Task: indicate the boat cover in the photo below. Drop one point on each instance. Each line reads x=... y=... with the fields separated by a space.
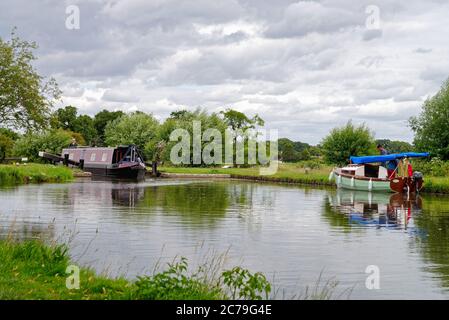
x=387 y=157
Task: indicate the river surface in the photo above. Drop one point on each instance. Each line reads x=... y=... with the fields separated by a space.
x=290 y=233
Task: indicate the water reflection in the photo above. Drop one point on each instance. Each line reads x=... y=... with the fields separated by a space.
x=285 y=230
x=381 y=210
x=31 y=230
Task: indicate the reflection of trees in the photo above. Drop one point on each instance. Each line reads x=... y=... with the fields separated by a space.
x=434 y=220
x=197 y=203
x=27 y=231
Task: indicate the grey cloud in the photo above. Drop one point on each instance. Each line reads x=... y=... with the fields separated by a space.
x=372 y=34
x=308 y=16
x=303 y=65
x=118 y=96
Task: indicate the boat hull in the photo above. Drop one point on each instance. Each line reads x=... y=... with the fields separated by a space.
x=397 y=184
x=354 y=183
x=136 y=172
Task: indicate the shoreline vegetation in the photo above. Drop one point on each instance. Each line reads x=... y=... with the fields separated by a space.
x=302 y=173
x=294 y=173
x=31 y=269
x=33 y=173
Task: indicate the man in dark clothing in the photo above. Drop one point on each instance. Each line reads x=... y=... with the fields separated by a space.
x=73 y=144
x=382 y=150
x=390 y=165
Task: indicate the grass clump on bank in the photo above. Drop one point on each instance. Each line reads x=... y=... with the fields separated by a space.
x=34 y=173
x=33 y=270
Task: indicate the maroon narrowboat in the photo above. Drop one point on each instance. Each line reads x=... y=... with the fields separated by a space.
x=122 y=162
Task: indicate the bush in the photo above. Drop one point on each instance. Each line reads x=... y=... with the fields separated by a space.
x=174 y=284
x=341 y=143
x=51 y=141
x=312 y=164
x=434 y=167
x=245 y=285
x=6 y=145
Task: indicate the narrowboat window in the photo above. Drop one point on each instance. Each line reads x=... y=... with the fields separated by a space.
x=104 y=157
x=71 y=156
x=92 y=157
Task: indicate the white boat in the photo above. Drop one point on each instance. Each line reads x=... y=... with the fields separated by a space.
x=369 y=173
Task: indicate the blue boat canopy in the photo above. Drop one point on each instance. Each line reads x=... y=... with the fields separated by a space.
x=388 y=157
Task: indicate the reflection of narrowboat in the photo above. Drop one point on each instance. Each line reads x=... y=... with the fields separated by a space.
x=122 y=162
x=369 y=173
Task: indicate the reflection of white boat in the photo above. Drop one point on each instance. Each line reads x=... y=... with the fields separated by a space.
x=373 y=208
x=368 y=174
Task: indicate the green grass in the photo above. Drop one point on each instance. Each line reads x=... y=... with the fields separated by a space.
x=291 y=173
x=34 y=270
x=436 y=185
x=34 y=173
x=296 y=173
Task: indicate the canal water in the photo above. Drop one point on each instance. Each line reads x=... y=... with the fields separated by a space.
x=298 y=237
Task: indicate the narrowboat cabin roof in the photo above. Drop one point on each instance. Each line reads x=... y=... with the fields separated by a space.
x=97 y=155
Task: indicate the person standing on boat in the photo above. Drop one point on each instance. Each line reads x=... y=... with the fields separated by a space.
x=382 y=150
x=390 y=165
x=73 y=144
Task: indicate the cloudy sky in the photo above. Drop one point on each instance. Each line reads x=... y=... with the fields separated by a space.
x=303 y=66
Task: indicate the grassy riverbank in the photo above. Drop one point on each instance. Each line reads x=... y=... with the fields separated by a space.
x=298 y=173
x=34 y=173
x=33 y=270
x=292 y=173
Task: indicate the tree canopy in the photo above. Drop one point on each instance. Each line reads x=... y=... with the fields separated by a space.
x=395 y=146
x=238 y=120
x=346 y=141
x=431 y=126
x=101 y=119
x=25 y=98
x=136 y=128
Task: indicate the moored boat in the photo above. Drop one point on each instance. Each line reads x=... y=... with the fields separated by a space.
x=369 y=173
x=122 y=162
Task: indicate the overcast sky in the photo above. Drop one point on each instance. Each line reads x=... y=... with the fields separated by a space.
x=304 y=67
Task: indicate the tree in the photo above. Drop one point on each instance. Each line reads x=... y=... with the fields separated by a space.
x=84 y=124
x=52 y=141
x=346 y=141
x=287 y=150
x=241 y=126
x=9 y=133
x=183 y=119
x=25 y=98
x=101 y=119
x=6 y=145
x=67 y=119
x=431 y=126
x=238 y=120
x=395 y=146
x=135 y=128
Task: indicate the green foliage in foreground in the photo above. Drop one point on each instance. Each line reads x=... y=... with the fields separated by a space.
x=33 y=173
x=33 y=270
